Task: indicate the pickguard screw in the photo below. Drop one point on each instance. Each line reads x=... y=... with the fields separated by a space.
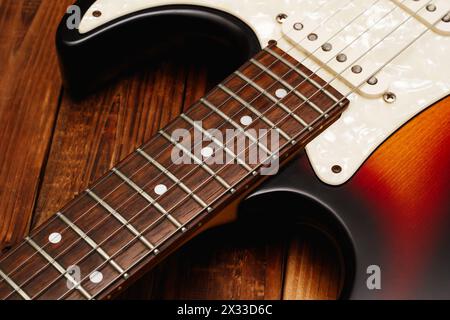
x=298 y=26
x=312 y=37
x=431 y=7
x=389 y=97
x=357 y=69
x=372 y=81
x=97 y=13
x=327 y=47
x=336 y=169
x=446 y=18
x=281 y=17
x=341 y=57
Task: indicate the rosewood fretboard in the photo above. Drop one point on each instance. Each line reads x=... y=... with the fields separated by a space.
x=147 y=204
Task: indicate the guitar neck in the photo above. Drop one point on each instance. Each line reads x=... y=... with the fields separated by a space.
x=159 y=196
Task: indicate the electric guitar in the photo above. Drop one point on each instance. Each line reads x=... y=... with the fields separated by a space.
x=319 y=86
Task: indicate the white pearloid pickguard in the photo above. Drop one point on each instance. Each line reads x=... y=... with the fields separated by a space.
x=419 y=76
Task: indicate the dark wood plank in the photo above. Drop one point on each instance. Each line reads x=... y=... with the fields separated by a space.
x=313 y=270
x=29 y=91
x=223 y=263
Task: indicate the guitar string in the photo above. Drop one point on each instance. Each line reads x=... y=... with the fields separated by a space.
x=180 y=202
x=38 y=230
x=101 y=290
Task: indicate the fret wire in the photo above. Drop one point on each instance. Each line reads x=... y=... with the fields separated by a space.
x=274 y=100
x=121 y=219
x=58 y=267
x=217 y=142
x=339 y=103
x=287 y=85
x=197 y=160
x=147 y=197
x=92 y=243
x=13 y=285
x=172 y=177
x=255 y=111
x=53 y=218
x=237 y=126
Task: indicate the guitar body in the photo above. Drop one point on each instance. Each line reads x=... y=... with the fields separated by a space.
x=387 y=205
x=394 y=213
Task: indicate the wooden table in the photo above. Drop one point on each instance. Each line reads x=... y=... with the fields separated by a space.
x=51 y=147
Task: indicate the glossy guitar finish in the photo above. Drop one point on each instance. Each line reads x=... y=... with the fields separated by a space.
x=394 y=213
x=396 y=210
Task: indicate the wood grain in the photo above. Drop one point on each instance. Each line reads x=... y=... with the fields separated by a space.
x=29 y=91
x=64 y=145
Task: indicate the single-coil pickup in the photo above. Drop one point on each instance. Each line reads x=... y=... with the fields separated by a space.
x=358 y=42
x=434 y=11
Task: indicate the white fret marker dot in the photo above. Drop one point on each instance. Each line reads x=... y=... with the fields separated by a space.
x=55 y=238
x=207 y=152
x=96 y=277
x=281 y=93
x=160 y=189
x=246 y=120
